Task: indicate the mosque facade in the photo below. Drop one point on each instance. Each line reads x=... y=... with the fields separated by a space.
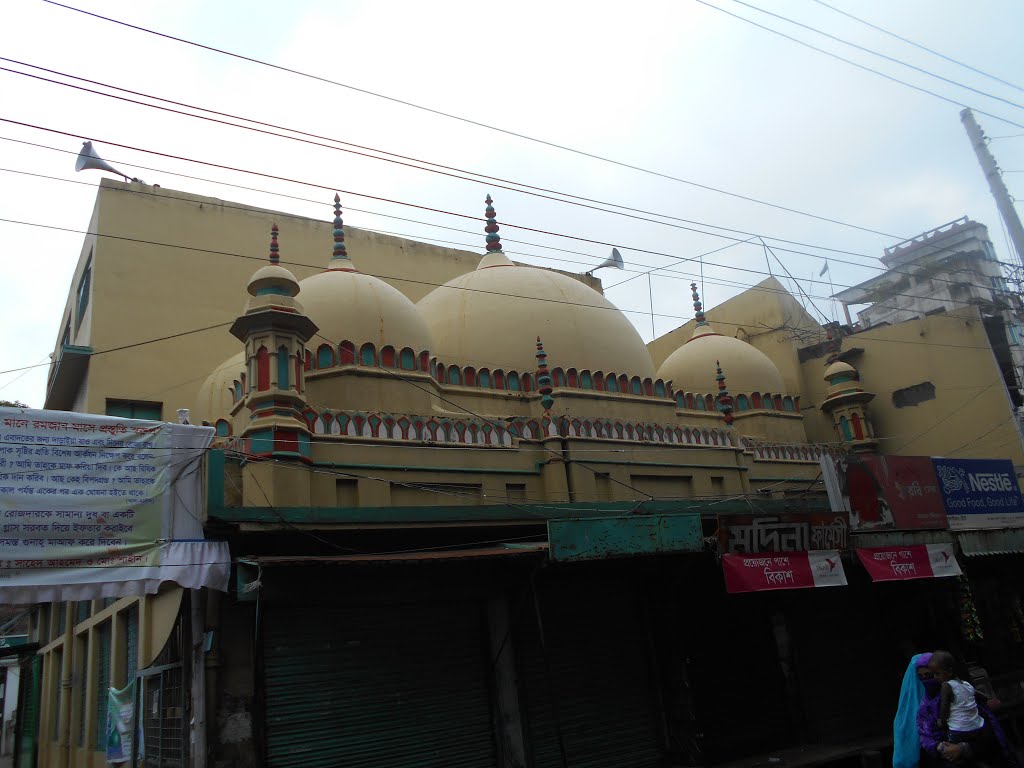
x=477 y=521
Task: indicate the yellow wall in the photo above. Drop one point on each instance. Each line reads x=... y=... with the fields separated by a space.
x=970 y=416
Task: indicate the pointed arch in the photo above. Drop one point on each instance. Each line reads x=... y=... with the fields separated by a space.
x=483 y=378
x=742 y=403
x=844 y=427
x=636 y=386
x=469 y=376
x=407 y=359
x=586 y=380
x=368 y=354
x=513 y=381
x=612 y=383
x=454 y=375
x=346 y=353
x=263 y=369
x=858 y=429
x=659 y=388
x=282 y=367
x=755 y=401
x=387 y=356
x=324 y=356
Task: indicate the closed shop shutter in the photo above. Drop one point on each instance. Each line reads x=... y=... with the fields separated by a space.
x=28 y=712
x=599 y=690
x=378 y=686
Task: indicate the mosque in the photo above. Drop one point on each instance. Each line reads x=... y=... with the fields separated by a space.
x=477 y=521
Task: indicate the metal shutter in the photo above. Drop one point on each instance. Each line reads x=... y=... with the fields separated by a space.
x=377 y=687
x=599 y=688
x=28 y=712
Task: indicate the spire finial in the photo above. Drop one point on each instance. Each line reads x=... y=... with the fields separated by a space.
x=493 y=238
x=698 y=308
x=544 y=378
x=275 y=249
x=835 y=343
x=339 y=231
x=724 y=398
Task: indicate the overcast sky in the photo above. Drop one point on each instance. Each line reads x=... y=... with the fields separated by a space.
x=676 y=87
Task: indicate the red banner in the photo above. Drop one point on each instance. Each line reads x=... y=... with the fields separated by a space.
x=785 y=570
x=892 y=492
x=917 y=561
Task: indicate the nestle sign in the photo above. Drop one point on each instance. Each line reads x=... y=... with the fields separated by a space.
x=980 y=493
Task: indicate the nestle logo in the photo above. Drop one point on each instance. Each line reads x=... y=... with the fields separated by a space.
x=990 y=481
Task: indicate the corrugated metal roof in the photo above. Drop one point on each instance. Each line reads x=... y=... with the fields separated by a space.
x=900 y=538
x=999 y=541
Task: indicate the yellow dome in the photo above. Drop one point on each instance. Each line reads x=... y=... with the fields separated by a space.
x=491 y=318
x=691 y=368
x=839 y=368
x=348 y=305
x=215 y=400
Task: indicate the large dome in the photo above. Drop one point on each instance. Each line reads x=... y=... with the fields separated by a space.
x=347 y=305
x=492 y=316
x=215 y=400
x=691 y=368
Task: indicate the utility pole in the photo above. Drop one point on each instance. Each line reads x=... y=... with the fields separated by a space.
x=995 y=182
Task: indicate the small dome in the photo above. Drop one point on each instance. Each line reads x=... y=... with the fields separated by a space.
x=839 y=368
x=273 y=278
x=691 y=368
x=215 y=400
x=491 y=318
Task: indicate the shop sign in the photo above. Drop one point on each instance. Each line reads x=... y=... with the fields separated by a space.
x=600 y=538
x=916 y=561
x=785 y=570
x=787 y=532
x=886 y=492
x=980 y=493
x=13 y=641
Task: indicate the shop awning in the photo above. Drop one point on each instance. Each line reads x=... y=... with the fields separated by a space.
x=413 y=556
x=1005 y=541
x=783 y=570
x=913 y=561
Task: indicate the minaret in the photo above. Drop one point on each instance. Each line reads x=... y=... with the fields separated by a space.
x=846 y=401
x=724 y=398
x=275 y=331
x=703 y=327
x=495 y=257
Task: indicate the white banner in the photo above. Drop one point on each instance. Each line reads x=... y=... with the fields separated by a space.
x=94 y=506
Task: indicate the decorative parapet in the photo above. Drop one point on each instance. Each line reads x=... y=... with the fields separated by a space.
x=764 y=450
x=754 y=401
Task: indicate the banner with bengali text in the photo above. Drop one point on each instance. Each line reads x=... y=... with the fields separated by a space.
x=785 y=570
x=785 y=532
x=98 y=506
x=915 y=561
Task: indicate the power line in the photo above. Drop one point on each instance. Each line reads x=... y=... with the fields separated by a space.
x=503 y=181
x=469 y=121
x=880 y=55
x=918 y=45
x=864 y=67
x=462 y=215
x=446 y=170
x=425 y=282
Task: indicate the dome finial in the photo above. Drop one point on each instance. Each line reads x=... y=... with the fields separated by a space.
x=339 y=232
x=724 y=398
x=544 y=378
x=275 y=249
x=698 y=308
x=493 y=238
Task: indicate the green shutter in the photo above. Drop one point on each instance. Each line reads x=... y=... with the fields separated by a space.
x=382 y=686
x=102 y=685
x=28 y=712
x=599 y=690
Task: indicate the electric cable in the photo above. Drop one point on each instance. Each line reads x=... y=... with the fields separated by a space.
x=864 y=67
x=918 y=45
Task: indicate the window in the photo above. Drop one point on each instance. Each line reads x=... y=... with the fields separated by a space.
x=131 y=409
x=84 y=287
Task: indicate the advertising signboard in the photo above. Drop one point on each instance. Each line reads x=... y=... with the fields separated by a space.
x=980 y=493
x=787 y=570
x=886 y=492
x=786 y=532
x=917 y=561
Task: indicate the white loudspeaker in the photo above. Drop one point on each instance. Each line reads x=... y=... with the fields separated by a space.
x=614 y=261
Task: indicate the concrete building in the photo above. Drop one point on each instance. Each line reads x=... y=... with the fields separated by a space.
x=404 y=434
x=944 y=270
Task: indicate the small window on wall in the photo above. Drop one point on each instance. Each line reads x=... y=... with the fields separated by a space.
x=133 y=409
x=84 y=288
